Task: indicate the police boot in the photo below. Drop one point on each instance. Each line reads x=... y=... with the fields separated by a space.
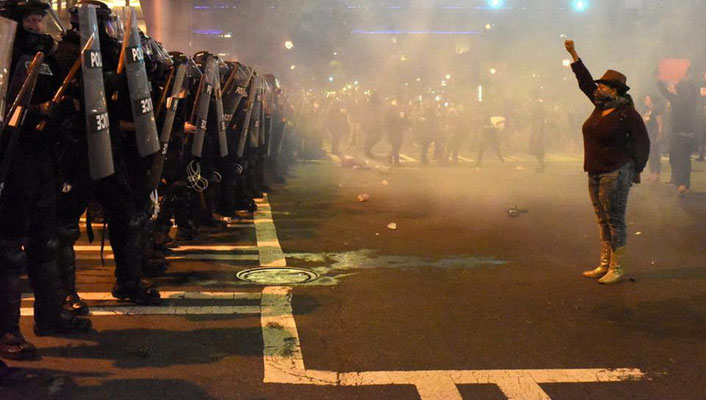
x=140 y=292
x=49 y=316
x=13 y=345
x=155 y=265
x=616 y=270
x=602 y=268
x=187 y=232
x=66 y=261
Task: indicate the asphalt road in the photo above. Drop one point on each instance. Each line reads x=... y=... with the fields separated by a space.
x=460 y=301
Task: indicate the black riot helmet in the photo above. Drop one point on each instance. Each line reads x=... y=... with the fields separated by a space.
x=17 y=10
x=178 y=57
x=28 y=38
x=201 y=57
x=108 y=22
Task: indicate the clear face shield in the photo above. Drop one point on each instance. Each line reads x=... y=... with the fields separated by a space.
x=157 y=52
x=114 y=27
x=54 y=25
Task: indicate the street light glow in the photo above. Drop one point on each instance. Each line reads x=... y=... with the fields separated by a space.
x=289 y=45
x=580 y=5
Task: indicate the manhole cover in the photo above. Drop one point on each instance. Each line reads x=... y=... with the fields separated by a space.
x=277 y=276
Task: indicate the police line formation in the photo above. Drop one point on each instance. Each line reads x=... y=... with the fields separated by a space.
x=107 y=116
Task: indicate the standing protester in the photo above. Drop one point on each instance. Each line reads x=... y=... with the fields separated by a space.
x=655 y=129
x=684 y=100
x=490 y=137
x=28 y=200
x=616 y=147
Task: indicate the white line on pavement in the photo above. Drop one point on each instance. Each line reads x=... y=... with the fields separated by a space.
x=195 y=256
x=131 y=309
x=212 y=248
x=284 y=363
x=268 y=246
x=161 y=310
x=105 y=296
x=407 y=158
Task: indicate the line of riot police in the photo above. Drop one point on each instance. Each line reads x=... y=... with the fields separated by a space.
x=106 y=119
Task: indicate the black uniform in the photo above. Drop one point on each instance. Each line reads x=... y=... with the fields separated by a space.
x=28 y=206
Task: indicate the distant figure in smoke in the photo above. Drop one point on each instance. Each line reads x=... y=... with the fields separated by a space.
x=616 y=148
x=684 y=99
x=336 y=125
x=538 y=129
x=490 y=137
x=425 y=129
x=396 y=124
x=373 y=128
x=457 y=133
x=655 y=129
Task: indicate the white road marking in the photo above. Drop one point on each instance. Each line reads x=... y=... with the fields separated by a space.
x=284 y=363
x=407 y=158
x=215 y=257
x=131 y=309
x=269 y=249
x=169 y=295
x=210 y=248
x=195 y=256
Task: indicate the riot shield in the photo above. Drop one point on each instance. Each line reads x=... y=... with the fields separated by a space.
x=199 y=115
x=220 y=118
x=255 y=122
x=172 y=102
x=235 y=90
x=100 y=155
x=8 y=28
x=248 y=117
x=269 y=112
x=139 y=85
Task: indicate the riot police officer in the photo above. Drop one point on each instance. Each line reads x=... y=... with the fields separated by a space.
x=115 y=194
x=28 y=203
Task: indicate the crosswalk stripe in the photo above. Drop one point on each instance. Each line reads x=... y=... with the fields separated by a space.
x=168 y=295
x=195 y=257
x=161 y=310
x=186 y=248
x=407 y=158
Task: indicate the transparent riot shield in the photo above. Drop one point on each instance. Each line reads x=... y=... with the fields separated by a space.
x=8 y=28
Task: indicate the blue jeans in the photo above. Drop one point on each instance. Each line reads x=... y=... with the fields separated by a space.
x=609 y=195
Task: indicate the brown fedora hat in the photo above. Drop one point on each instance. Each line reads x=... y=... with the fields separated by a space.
x=614 y=79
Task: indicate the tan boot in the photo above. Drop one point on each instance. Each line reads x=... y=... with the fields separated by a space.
x=616 y=270
x=601 y=269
